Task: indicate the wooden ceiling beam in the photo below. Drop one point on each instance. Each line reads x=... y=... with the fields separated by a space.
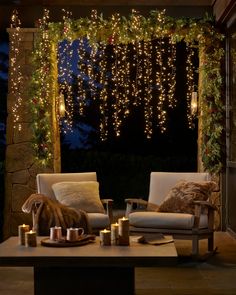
x=109 y=2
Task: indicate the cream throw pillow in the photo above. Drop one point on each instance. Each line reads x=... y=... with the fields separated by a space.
x=83 y=195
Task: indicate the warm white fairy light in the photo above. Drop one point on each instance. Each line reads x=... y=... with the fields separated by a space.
x=139 y=74
x=171 y=73
x=165 y=77
x=190 y=82
x=120 y=70
x=134 y=62
x=82 y=68
x=160 y=81
x=92 y=71
x=66 y=72
x=115 y=90
x=103 y=95
x=16 y=76
x=148 y=108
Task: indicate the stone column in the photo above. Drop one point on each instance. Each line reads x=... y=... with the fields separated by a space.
x=20 y=166
x=216 y=196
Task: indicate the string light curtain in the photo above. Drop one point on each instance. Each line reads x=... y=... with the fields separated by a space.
x=121 y=76
x=135 y=34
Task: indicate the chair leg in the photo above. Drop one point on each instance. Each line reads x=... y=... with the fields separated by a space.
x=211 y=243
x=195 y=246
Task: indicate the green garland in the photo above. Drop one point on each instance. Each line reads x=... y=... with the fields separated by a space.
x=199 y=32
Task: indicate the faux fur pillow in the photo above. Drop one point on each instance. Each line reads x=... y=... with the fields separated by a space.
x=181 y=197
x=83 y=195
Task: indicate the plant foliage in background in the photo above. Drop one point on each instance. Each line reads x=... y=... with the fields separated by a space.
x=116 y=30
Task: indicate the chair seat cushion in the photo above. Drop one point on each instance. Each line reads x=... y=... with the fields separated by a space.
x=98 y=220
x=165 y=220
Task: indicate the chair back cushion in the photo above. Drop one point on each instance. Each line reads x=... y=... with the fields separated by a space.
x=162 y=182
x=46 y=180
x=81 y=195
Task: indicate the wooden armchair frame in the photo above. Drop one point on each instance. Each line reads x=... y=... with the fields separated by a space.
x=46 y=180
x=195 y=234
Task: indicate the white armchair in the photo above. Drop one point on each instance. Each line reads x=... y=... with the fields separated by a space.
x=45 y=181
x=145 y=219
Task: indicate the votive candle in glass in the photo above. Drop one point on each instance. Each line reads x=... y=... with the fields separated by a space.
x=22 y=229
x=30 y=239
x=105 y=237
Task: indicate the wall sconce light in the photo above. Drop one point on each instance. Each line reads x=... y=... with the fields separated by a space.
x=62 y=107
x=194 y=103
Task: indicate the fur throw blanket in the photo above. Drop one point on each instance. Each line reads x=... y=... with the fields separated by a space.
x=49 y=213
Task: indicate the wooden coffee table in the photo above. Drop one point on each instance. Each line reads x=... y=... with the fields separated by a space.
x=87 y=269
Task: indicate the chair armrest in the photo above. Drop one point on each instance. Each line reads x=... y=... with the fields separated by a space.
x=199 y=205
x=108 y=207
x=206 y=204
x=130 y=203
x=137 y=201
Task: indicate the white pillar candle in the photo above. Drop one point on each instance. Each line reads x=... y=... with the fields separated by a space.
x=123 y=231
x=105 y=237
x=30 y=239
x=55 y=233
x=115 y=233
x=22 y=229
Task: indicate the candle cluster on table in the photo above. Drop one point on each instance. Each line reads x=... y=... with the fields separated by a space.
x=26 y=236
x=118 y=235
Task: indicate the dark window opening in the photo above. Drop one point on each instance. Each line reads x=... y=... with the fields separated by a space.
x=123 y=164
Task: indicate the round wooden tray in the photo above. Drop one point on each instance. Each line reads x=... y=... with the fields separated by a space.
x=83 y=240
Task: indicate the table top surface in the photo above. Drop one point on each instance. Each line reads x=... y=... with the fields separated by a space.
x=136 y=254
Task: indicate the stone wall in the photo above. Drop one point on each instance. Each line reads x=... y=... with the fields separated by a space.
x=21 y=168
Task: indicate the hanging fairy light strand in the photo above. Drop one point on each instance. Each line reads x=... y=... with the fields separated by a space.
x=160 y=80
x=16 y=77
x=121 y=89
x=82 y=72
x=147 y=95
x=171 y=73
x=190 y=82
x=91 y=51
x=103 y=94
x=137 y=58
x=67 y=71
x=117 y=77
